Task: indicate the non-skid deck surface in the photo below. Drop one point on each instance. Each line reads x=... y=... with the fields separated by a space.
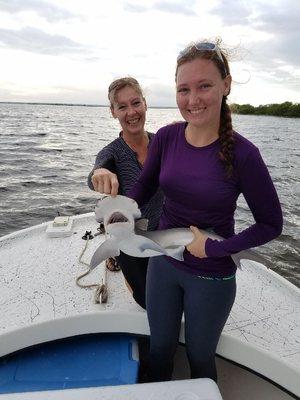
x=39 y=301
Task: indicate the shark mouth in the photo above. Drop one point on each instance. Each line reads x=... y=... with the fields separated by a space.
x=117 y=217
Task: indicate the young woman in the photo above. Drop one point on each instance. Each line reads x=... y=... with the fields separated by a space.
x=202 y=166
x=119 y=164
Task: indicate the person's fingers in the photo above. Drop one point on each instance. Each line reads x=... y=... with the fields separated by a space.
x=114 y=186
x=97 y=183
x=100 y=186
x=195 y=230
x=106 y=184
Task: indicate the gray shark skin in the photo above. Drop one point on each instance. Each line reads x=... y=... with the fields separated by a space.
x=120 y=216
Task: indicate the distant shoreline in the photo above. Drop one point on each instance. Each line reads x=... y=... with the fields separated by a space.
x=71 y=104
x=286 y=109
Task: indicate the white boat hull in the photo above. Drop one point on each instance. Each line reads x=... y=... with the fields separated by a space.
x=40 y=302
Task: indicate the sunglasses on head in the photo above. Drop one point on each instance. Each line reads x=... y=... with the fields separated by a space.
x=201 y=46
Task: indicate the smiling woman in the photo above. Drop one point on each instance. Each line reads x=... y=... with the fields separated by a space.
x=202 y=166
x=119 y=164
x=206 y=84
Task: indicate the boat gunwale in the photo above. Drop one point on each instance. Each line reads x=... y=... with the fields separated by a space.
x=231 y=348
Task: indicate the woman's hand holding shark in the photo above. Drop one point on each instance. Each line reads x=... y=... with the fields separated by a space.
x=104 y=181
x=197 y=246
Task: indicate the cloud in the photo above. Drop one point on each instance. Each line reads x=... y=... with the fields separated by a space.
x=42 y=8
x=184 y=8
x=282 y=22
x=233 y=12
x=135 y=8
x=37 y=41
x=160 y=95
x=273 y=18
x=275 y=32
x=277 y=18
x=280 y=18
x=280 y=50
x=174 y=7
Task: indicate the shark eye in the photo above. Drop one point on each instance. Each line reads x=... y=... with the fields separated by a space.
x=100 y=199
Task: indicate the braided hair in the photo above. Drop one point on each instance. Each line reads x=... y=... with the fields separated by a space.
x=226 y=133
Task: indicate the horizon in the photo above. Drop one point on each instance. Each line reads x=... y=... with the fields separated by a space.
x=107 y=105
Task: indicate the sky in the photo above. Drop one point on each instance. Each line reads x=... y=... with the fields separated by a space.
x=69 y=51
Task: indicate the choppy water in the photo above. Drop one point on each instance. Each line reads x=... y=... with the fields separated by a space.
x=46 y=153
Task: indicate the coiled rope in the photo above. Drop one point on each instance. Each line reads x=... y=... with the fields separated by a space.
x=101 y=293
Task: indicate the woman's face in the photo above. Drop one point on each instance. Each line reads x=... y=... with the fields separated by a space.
x=200 y=89
x=129 y=108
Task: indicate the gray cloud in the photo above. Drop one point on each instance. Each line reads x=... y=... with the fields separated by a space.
x=175 y=7
x=41 y=7
x=184 y=8
x=276 y=18
x=267 y=57
x=282 y=22
x=280 y=18
x=233 y=12
x=160 y=95
x=284 y=48
x=37 y=41
x=135 y=8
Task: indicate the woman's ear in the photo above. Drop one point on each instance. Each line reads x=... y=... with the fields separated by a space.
x=113 y=112
x=227 y=85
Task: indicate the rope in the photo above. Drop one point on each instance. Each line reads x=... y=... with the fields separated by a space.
x=101 y=293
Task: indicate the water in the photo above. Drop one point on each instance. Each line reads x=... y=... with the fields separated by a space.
x=46 y=153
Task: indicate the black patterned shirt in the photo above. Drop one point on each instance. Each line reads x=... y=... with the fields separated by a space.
x=120 y=159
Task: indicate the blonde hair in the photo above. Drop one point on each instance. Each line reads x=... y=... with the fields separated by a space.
x=119 y=84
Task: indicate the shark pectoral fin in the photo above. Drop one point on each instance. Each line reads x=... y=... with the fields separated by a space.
x=175 y=252
x=147 y=246
x=107 y=249
x=140 y=246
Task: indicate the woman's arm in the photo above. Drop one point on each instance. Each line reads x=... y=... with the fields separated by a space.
x=261 y=197
x=102 y=177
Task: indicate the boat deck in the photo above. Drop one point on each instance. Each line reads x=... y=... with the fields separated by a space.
x=40 y=301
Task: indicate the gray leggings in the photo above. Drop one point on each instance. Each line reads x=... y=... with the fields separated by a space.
x=206 y=305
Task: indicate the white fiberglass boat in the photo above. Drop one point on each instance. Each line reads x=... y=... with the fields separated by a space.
x=258 y=355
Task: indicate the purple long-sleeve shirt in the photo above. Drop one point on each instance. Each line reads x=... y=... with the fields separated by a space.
x=198 y=192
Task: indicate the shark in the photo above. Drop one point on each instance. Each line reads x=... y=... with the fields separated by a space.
x=126 y=231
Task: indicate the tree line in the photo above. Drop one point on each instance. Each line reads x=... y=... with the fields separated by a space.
x=286 y=109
